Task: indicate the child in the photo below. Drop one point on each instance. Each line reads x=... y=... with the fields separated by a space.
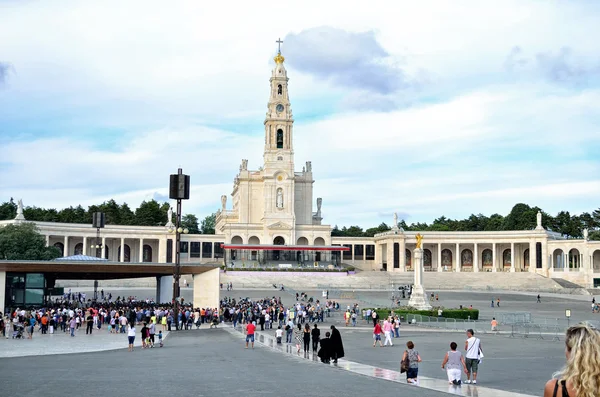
x=160 y=343
x=278 y=335
x=145 y=336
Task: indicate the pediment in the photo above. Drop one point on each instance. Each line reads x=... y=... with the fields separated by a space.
x=279 y=225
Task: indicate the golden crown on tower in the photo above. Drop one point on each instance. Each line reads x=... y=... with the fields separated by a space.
x=279 y=58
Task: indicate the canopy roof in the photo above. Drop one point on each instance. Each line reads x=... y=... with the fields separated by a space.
x=268 y=247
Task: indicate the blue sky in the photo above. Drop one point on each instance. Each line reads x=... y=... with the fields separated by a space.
x=423 y=108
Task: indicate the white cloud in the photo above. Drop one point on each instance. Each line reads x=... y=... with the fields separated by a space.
x=187 y=86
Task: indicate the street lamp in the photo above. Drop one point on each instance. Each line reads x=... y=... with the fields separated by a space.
x=98 y=221
x=179 y=189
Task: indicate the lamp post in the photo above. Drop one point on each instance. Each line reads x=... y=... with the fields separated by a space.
x=568 y=316
x=98 y=221
x=179 y=189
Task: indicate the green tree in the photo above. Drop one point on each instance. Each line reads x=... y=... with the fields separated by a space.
x=8 y=210
x=24 y=242
x=127 y=216
x=208 y=224
x=353 y=231
x=336 y=232
x=151 y=213
x=190 y=222
x=521 y=217
x=379 y=229
x=494 y=223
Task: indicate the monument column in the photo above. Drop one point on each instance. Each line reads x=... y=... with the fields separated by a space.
x=458 y=264
x=141 y=257
x=418 y=300
x=494 y=257
x=122 y=250
x=439 y=258
x=512 y=257
x=66 y=244
x=476 y=258
x=402 y=254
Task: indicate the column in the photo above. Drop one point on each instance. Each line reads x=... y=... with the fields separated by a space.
x=532 y=256
x=212 y=250
x=512 y=257
x=457 y=257
x=566 y=261
x=66 y=244
x=389 y=256
x=402 y=254
x=352 y=248
x=206 y=289
x=494 y=257
x=141 y=254
x=103 y=252
x=47 y=244
x=162 y=250
x=439 y=258
x=476 y=258
x=122 y=249
x=84 y=251
x=545 y=257
x=3 y=298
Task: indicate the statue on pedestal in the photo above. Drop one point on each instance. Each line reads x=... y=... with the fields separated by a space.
x=395 y=224
x=539 y=221
x=20 y=215
x=585 y=234
x=418 y=298
x=223 y=202
x=419 y=240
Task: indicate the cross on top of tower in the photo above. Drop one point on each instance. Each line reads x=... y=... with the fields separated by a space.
x=279 y=41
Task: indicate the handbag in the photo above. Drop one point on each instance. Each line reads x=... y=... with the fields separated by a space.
x=404 y=364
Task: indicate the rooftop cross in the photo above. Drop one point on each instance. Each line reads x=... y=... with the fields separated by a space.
x=279 y=41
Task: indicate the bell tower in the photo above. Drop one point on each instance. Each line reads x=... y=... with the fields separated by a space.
x=279 y=145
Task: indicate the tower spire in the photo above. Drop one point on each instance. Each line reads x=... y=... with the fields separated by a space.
x=279 y=58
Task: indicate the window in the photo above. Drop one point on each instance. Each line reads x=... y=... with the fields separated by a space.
x=359 y=250
x=279 y=158
x=206 y=249
x=218 y=250
x=194 y=249
x=370 y=252
x=279 y=89
x=169 y=251
x=184 y=247
x=347 y=254
x=147 y=253
x=279 y=139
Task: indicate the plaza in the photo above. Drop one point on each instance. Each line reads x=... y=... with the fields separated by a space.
x=513 y=366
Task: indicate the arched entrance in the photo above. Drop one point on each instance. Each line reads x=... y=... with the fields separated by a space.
x=236 y=240
x=526 y=259
x=487 y=258
x=319 y=241
x=253 y=240
x=408 y=258
x=301 y=256
x=147 y=253
x=61 y=247
x=506 y=258
x=78 y=249
x=446 y=259
x=466 y=258
x=278 y=241
x=427 y=258
x=558 y=259
x=574 y=259
x=126 y=254
x=596 y=261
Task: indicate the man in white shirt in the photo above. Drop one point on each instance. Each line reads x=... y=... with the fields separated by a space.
x=472 y=356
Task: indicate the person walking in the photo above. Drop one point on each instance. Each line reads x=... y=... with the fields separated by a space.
x=250 y=329
x=289 y=329
x=580 y=377
x=387 y=331
x=316 y=335
x=131 y=336
x=397 y=326
x=494 y=324
x=414 y=359
x=298 y=337
x=453 y=363
x=72 y=325
x=377 y=334
x=306 y=338
x=473 y=355
x=337 y=346
x=539 y=299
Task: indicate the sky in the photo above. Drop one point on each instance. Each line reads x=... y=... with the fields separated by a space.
x=425 y=108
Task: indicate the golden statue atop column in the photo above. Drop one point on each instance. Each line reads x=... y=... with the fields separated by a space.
x=418 y=298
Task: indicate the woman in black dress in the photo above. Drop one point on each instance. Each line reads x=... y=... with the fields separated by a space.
x=306 y=337
x=337 y=347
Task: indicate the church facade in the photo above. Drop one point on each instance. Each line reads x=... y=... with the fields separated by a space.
x=271 y=211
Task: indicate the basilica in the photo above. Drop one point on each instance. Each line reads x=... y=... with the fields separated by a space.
x=269 y=218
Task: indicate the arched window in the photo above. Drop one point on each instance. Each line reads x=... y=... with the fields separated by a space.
x=61 y=247
x=127 y=256
x=147 y=254
x=408 y=257
x=427 y=258
x=279 y=89
x=447 y=258
x=78 y=249
x=506 y=258
x=280 y=139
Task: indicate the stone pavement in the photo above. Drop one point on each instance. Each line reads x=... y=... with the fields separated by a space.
x=376 y=372
x=63 y=343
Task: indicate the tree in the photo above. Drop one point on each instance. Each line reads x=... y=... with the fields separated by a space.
x=336 y=232
x=190 y=222
x=24 y=242
x=379 y=229
x=521 y=217
x=127 y=215
x=209 y=223
x=151 y=213
x=8 y=210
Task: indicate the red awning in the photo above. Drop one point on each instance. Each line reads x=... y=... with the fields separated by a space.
x=284 y=247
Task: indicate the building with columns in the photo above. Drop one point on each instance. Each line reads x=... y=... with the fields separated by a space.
x=271 y=219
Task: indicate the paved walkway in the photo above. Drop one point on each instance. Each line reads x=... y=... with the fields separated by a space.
x=62 y=343
x=381 y=373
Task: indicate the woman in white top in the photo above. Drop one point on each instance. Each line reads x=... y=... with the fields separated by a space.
x=131 y=336
x=453 y=363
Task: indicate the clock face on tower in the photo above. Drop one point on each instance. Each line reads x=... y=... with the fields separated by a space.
x=279 y=108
